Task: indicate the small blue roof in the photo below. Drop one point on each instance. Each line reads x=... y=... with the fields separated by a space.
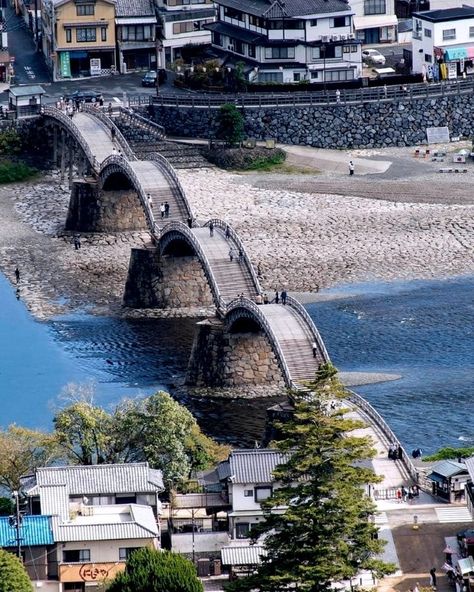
x=34 y=531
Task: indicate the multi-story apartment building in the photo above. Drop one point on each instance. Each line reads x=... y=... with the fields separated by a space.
x=375 y=21
x=289 y=41
x=182 y=23
x=443 y=42
x=136 y=34
x=79 y=37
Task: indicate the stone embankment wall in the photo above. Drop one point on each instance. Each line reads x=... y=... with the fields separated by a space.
x=223 y=359
x=368 y=125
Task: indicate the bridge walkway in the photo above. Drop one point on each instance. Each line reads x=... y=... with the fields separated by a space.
x=156 y=183
x=295 y=341
x=232 y=277
x=95 y=134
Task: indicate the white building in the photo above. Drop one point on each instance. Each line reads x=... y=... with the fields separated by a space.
x=290 y=41
x=443 y=42
x=375 y=21
x=99 y=515
x=182 y=23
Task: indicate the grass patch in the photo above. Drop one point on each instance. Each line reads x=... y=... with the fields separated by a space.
x=12 y=172
x=245 y=159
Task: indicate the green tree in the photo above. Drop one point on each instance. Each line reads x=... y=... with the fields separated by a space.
x=451 y=453
x=21 y=452
x=13 y=577
x=6 y=506
x=325 y=534
x=149 y=570
x=10 y=142
x=230 y=124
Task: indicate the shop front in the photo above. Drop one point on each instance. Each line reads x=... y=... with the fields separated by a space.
x=450 y=63
x=84 y=63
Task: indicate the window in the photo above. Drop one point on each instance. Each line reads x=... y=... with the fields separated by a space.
x=251 y=50
x=262 y=493
x=449 y=34
x=340 y=21
x=315 y=53
x=428 y=58
x=125 y=552
x=313 y=23
x=270 y=76
x=248 y=492
x=256 y=21
x=242 y=530
x=137 y=33
x=239 y=47
x=279 y=53
x=68 y=35
x=339 y=75
x=76 y=556
x=471 y=31
x=103 y=33
x=125 y=498
x=87 y=34
x=338 y=51
x=85 y=10
x=349 y=49
x=286 y=23
x=374 y=7
x=216 y=38
x=314 y=75
x=296 y=76
x=233 y=14
x=189 y=26
x=427 y=32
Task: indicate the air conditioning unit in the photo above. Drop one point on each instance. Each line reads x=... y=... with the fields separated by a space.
x=343 y=37
x=334 y=37
x=351 y=36
x=324 y=38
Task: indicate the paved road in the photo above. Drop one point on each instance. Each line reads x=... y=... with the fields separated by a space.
x=30 y=67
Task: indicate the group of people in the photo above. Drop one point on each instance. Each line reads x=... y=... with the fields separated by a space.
x=406 y=495
x=264 y=299
x=165 y=209
x=233 y=252
x=395 y=451
x=71 y=107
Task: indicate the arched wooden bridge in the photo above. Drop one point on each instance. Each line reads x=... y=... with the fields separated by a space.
x=233 y=283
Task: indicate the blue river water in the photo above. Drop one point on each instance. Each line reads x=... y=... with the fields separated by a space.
x=422 y=330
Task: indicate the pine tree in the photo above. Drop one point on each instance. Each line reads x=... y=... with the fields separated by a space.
x=324 y=535
x=13 y=577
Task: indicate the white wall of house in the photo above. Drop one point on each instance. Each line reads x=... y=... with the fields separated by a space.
x=359 y=7
x=103 y=551
x=204 y=542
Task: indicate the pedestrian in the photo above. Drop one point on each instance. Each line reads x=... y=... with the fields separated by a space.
x=231 y=254
x=241 y=256
x=351 y=168
x=314 y=347
x=190 y=221
x=433 y=578
x=77 y=241
x=150 y=201
x=399 y=495
x=283 y=296
x=385 y=92
x=258 y=299
x=113 y=133
x=211 y=228
x=110 y=109
x=265 y=298
x=404 y=494
x=277 y=298
x=259 y=270
x=167 y=209
x=399 y=452
x=227 y=232
x=338 y=96
x=162 y=210
x=17 y=274
x=101 y=102
x=70 y=111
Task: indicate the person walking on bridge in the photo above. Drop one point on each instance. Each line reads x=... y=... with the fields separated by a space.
x=162 y=210
x=314 y=347
x=167 y=209
x=17 y=274
x=351 y=168
x=284 y=296
x=231 y=254
x=211 y=228
x=227 y=232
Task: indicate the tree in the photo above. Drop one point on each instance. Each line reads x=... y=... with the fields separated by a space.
x=21 y=452
x=451 y=453
x=230 y=124
x=13 y=576
x=325 y=534
x=149 y=570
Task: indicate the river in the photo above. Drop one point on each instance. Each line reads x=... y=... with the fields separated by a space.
x=421 y=330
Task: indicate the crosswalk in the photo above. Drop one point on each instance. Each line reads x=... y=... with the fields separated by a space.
x=454 y=514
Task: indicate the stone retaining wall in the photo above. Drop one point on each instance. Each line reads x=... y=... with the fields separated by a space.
x=368 y=125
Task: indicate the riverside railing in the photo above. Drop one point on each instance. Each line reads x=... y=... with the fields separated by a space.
x=147 y=124
x=71 y=127
x=110 y=125
x=379 y=422
x=301 y=310
x=249 y=305
x=240 y=246
x=349 y=96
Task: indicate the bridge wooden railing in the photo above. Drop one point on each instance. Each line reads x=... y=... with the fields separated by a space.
x=67 y=122
x=301 y=310
x=254 y=308
x=110 y=125
x=142 y=122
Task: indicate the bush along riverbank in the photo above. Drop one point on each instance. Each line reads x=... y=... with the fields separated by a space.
x=245 y=159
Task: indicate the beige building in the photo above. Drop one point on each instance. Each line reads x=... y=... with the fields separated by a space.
x=79 y=37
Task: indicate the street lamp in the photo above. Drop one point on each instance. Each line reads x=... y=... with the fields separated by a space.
x=323 y=51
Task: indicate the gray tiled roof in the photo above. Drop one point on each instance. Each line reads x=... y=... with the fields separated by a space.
x=470 y=466
x=134 y=8
x=293 y=8
x=448 y=468
x=254 y=465
x=100 y=479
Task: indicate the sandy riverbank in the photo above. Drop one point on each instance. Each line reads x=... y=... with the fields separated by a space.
x=303 y=236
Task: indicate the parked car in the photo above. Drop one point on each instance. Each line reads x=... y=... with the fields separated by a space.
x=88 y=96
x=372 y=57
x=150 y=77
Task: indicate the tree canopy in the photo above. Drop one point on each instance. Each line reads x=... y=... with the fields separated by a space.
x=451 y=453
x=21 y=451
x=156 y=429
x=230 y=124
x=149 y=570
x=324 y=534
x=13 y=576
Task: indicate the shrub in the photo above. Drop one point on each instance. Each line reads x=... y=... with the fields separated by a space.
x=10 y=142
x=13 y=576
x=246 y=159
x=230 y=124
x=10 y=172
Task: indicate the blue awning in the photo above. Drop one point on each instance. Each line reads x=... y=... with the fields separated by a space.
x=78 y=54
x=455 y=53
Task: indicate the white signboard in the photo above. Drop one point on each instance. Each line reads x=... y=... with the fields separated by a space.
x=437 y=135
x=452 y=70
x=95 y=67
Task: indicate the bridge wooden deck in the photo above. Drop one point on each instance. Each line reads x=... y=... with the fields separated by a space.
x=96 y=135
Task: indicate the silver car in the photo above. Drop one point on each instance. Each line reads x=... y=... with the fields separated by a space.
x=372 y=57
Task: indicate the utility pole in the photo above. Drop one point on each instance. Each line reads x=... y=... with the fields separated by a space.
x=16 y=520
